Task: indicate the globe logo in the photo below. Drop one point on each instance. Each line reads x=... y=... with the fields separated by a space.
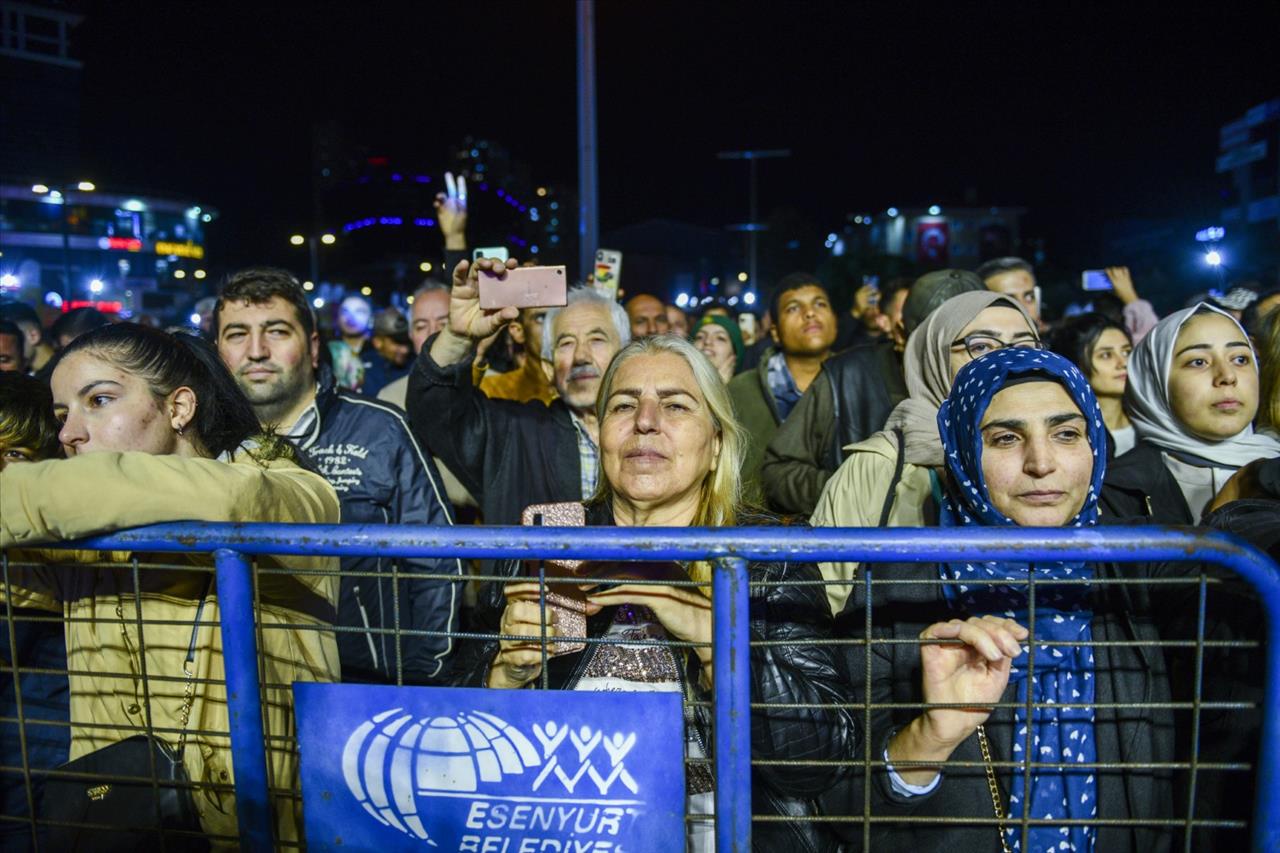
x=392 y=758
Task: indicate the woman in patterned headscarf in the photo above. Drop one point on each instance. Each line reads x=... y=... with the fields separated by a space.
x=1025 y=446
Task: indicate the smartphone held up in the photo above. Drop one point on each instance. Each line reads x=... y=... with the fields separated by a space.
x=1096 y=280
x=523 y=287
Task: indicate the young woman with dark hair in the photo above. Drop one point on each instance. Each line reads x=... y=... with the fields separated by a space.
x=157 y=430
x=1100 y=347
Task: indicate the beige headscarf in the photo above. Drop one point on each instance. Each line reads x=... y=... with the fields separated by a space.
x=927 y=366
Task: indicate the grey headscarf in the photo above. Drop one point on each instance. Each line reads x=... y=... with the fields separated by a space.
x=927 y=365
x=1146 y=398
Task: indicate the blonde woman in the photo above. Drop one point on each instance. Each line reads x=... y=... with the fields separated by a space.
x=669 y=457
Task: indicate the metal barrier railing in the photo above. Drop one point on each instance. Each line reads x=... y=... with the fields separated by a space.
x=730 y=550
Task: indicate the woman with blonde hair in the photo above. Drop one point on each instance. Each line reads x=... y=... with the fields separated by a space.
x=669 y=457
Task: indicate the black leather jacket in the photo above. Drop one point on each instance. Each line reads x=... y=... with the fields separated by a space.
x=803 y=673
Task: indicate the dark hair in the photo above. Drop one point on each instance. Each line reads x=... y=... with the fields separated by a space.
x=7 y=328
x=224 y=417
x=20 y=313
x=1076 y=338
x=26 y=415
x=792 y=281
x=76 y=322
x=257 y=285
x=892 y=288
x=996 y=266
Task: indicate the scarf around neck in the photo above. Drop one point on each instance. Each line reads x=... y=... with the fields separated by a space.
x=1063 y=674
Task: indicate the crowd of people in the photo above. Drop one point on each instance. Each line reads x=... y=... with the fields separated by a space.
x=944 y=401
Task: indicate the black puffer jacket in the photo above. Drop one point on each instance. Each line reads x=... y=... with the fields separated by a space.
x=803 y=673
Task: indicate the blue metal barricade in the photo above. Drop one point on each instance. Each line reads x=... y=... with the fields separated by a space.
x=730 y=549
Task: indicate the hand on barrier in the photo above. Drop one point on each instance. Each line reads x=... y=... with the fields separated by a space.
x=972 y=673
x=518 y=663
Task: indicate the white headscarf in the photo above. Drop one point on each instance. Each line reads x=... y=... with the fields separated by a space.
x=1146 y=399
x=926 y=365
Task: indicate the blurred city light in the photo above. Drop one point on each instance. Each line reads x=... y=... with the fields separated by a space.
x=96 y=285
x=934 y=210
x=542 y=191
x=1211 y=235
x=86 y=186
x=199 y=273
x=328 y=239
x=307 y=285
x=742 y=276
x=179 y=273
x=733 y=300
x=682 y=299
x=53 y=300
x=425 y=266
x=194 y=318
x=749 y=298
x=893 y=211
x=366 y=290
x=39 y=189
x=1213 y=258
x=133 y=205
x=297 y=239
x=409 y=299
x=318 y=302
x=9 y=280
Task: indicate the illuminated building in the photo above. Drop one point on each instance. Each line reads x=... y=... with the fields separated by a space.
x=147 y=252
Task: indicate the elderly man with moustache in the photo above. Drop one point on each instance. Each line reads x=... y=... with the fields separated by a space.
x=510 y=455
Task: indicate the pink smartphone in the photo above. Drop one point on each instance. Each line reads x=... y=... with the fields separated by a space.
x=524 y=287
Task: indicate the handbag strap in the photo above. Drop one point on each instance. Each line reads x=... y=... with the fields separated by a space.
x=188 y=668
x=889 y=496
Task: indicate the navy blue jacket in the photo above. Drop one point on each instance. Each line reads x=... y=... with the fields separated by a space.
x=364 y=448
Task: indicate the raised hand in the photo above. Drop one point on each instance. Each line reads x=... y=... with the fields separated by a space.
x=451 y=211
x=1123 y=284
x=466 y=318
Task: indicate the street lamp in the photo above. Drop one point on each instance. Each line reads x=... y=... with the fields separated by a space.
x=61 y=196
x=313 y=242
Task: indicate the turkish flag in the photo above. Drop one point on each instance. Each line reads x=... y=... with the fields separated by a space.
x=933 y=242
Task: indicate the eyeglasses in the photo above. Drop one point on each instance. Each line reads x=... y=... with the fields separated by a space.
x=979 y=345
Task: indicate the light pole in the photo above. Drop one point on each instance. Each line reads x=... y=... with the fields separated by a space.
x=61 y=195
x=753 y=227
x=588 y=197
x=313 y=242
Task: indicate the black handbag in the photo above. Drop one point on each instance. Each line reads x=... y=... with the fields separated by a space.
x=125 y=794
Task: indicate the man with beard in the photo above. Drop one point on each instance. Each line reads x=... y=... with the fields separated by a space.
x=510 y=455
x=267 y=337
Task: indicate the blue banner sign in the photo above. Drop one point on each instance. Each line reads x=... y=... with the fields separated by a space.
x=490 y=771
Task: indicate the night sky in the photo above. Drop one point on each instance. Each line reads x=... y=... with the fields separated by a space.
x=1082 y=115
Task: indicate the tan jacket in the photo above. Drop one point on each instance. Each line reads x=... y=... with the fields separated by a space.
x=45 y=502
x=522 y=384
x=854 y=497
